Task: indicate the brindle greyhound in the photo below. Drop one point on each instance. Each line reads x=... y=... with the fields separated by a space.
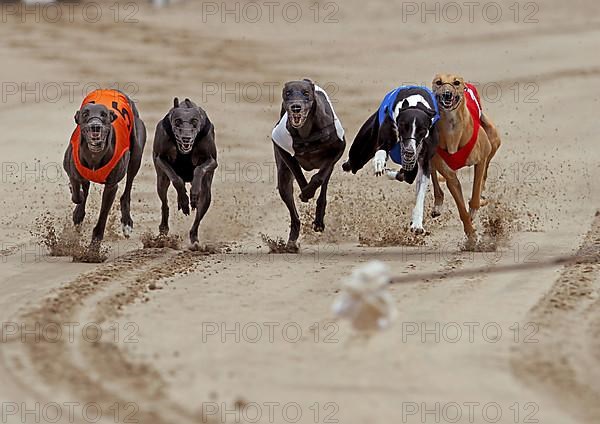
x=185 y=152
x=106 y=145
x=308 y=136
x=467 y=138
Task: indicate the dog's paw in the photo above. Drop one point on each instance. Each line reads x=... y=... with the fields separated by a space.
x=417 y=228
x=183 y=203
x=307 y=193
x=318 y=227
x=471 y=242
x=78 y=215
x=292 y=247
x=163 y=230
x=390 y=174
x=127 y=230
x=194 y=246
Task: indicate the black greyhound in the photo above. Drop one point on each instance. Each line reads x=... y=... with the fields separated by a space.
x=308 y=136
x=106 y=145
x=404 y=129
x=185 y=152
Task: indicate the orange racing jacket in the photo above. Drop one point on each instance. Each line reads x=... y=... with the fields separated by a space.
x=122 y=127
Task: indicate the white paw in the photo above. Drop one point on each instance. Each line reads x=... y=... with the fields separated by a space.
x=391 y=174
x=379 y=162
x=417 y=228
x=127 y=230
x=194 y=247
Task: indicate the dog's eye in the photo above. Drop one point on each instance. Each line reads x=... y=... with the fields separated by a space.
x=288 y=93
x=456 y=83
x=103 y=114
x=438 y=82
x=178 y=122
x=305 y=93
x=195 y=122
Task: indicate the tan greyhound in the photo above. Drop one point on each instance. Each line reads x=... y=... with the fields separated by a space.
x=467 y=138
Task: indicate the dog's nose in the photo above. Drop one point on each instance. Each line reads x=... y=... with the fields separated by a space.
x=186 y=139
x=296 y=108
x=447 y=95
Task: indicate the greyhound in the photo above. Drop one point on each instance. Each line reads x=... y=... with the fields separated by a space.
x=308 y=136
x=185 y=152
x=467 y=138
x=106 y=145
x=403 y=129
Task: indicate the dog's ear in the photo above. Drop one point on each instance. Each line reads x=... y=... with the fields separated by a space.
x=77 y=116
x=176 y=102
x=431 y=112
x=311 y=82
x=113 y=116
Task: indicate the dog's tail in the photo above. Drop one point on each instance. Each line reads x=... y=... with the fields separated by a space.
x=364 y=146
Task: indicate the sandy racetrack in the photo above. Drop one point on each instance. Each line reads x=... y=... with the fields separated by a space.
x=234 y=334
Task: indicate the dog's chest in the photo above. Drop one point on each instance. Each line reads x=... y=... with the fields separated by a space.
x=184 y=166
x=314 y=154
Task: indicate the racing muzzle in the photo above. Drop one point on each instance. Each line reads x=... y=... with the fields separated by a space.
x=411 y=151
x=185 y=138
x=95 y=133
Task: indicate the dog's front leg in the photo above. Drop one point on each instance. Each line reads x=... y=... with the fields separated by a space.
x=416 y=224
x=79 y=211
x=200 y=173
x=183 y=201
x=438 y=194
x=202 y=203
x=475 y=201
x=108 y=197
x=319 y=222
x=293 y=165
x=75 y=186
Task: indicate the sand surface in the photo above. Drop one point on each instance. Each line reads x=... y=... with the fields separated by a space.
x=236 y=335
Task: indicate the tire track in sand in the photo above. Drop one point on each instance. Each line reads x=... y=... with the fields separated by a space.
x=565 y=362
x=98 y=372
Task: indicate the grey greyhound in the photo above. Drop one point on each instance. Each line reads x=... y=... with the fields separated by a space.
x=185 y=152
x=106 y=146
x=308 y=136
